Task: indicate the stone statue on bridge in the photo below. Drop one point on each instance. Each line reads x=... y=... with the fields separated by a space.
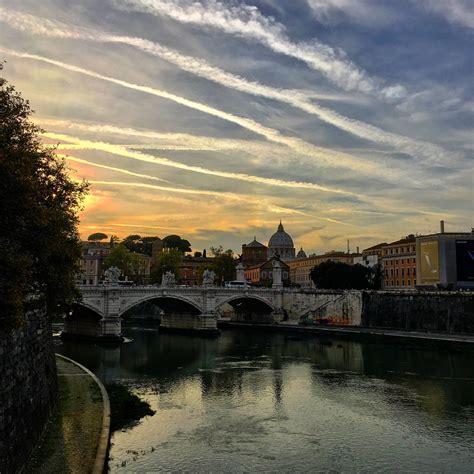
x=208 y=277
x=168 y=279
x=111 y=275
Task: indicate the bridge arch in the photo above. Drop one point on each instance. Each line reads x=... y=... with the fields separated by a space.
x=87 y=308
x=165 y=302
x=83 y=319
x=246 y=302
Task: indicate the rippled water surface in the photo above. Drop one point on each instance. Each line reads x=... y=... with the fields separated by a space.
x=254 y=402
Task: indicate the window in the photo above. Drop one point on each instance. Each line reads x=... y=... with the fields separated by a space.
x=264 y=274
x=285 y=274
x=414 y=271
x=408 y=283
x=408 y=273
x=403 y=283
x=391 y=272
x=396 y=271
x=402 y=261
x=270 y=274
x=398 y=283
x=403 y=272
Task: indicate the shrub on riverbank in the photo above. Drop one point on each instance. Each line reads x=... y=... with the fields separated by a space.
x=126 y=408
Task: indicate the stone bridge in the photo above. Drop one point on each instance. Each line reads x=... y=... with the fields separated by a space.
x=197 y=308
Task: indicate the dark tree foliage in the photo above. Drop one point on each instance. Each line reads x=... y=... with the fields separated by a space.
x=97 y=237
x=133 y=243
x=137 y=243
x=39 y=243
x=338 y=275
x=224 y=264
x=176 y=242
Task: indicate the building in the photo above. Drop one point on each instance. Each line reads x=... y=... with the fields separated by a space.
x=281 y=244
x=262 y=274
x=445 y=260
x=375 y=250
x=253 y=253
x=140 y=271
x=192 y=268
x=399 y=263
x=91 y=263
x=300 y=268
x=371 y=256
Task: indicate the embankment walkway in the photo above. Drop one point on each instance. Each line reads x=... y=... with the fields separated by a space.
x=76 y=439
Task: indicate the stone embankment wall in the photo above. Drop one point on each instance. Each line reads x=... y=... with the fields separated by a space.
x=338 y=307
x=28 y=388
x=451 y=312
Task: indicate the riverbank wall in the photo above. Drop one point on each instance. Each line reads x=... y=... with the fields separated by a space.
x=29 y=388
x=440 y=312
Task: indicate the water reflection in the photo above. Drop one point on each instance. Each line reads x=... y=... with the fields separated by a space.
x=249 y=401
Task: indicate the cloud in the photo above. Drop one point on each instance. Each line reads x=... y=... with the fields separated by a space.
x=249 y=23
x=365 y=12
x=295 y=98
x=263 y=206
x=320 y=155
x=125 y=152
x=458 y=12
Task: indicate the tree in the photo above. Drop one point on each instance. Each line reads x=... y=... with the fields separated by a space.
x=338 y=275
x=147 y=244
x=224 y=264
x=167 y=261
x=97 y=237
x=123 y=259
x=176 y=242
x=113 y=240
x=39 y=243
x=133 y=243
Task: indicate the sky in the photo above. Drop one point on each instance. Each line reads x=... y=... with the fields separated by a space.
x=213 y=119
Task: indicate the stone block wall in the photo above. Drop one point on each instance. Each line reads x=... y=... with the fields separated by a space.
x=451 y=312
x=28 y=388
x=341 y=306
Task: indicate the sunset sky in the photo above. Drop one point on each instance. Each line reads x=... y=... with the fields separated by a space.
x=346 y=119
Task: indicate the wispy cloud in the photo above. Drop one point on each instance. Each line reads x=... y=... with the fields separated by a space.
x=295 y=98
x=321 y=156
x=125 y=152
x=458 y=12
x=266 y=207
x=249 y=23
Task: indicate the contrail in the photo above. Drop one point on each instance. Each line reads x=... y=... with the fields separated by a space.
x=231 y=196
x=320 y=154
x=247 y=22
x=295 y=98
x=275 y=209
x=123 y=151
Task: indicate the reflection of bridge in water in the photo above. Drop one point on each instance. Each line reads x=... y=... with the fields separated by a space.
x=194 y=308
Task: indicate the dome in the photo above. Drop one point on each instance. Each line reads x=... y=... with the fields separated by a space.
x=280 y=239
x=301 y=253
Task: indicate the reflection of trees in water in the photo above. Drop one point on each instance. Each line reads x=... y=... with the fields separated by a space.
x=432 y=380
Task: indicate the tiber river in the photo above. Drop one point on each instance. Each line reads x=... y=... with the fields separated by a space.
x=254 y=402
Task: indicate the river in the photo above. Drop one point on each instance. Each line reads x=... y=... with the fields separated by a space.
x=255 y=402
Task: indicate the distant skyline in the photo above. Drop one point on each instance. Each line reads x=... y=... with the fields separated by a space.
x=346 y=119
